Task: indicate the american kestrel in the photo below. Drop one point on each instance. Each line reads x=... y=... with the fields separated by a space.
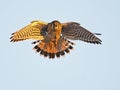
x=53 y=39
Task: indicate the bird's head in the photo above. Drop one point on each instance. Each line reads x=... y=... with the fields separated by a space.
x=56 y=25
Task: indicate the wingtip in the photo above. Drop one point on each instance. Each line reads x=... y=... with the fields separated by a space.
x=11 y=40
x=12 y=33
x=97 y=33
x=11 y=37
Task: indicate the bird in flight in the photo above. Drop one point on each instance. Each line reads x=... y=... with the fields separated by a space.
x=53 y=39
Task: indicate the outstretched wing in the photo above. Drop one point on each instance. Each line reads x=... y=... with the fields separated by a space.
x=74 y=31
x=31 y=31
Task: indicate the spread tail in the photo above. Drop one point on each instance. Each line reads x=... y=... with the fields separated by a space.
x=51 y=50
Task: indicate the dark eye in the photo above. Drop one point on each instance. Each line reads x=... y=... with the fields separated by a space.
x=55 y=25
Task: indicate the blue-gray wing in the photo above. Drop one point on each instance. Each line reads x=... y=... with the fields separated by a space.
x=74 y=31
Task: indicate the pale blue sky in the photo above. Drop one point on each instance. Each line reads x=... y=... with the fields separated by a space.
x=87 y=67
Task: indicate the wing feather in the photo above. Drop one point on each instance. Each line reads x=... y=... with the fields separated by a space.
x=74 y=31
x=31 y=31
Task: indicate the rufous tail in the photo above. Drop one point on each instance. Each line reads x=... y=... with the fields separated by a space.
x=51 y=50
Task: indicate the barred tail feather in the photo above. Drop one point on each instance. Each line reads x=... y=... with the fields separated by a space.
x=52 y=50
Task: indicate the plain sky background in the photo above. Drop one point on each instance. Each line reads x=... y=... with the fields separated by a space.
x=87 y=67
